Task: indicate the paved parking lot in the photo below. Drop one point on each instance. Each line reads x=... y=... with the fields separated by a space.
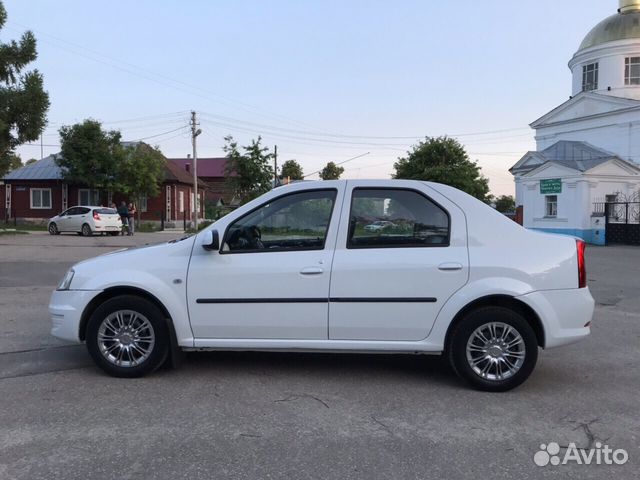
x=267 y=415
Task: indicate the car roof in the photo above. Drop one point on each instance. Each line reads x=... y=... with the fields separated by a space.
x=89 y=206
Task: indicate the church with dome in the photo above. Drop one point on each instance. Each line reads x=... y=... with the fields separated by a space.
x=588 y=148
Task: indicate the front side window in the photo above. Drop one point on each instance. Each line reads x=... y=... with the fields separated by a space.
x=41 y=198
x=551 y=206
x=632 y=71
x=590 y=77
x=298 y=221
x=382 y=218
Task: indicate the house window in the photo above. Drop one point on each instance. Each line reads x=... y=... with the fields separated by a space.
x=551 y=206
x=84 y=195
x=590 y=77
x=41 y=198
x=143 y=203
x=632 y=71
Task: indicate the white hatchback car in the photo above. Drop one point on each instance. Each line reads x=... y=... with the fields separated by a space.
x=296 y=270
x=85 y=220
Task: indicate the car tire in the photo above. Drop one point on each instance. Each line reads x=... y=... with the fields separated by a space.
x=127 y=336
x=53 y=229
x=114 y=234
x=493 y=349
x=86 y=230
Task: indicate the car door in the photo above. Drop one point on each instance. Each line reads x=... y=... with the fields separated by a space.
x=77 y=218
x=390 y=283
x=62 y=222
x=270 y=279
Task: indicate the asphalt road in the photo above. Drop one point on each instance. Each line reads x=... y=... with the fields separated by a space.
x=268 y=415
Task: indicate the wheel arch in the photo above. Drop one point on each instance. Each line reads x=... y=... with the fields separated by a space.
x=505 y=301
x=129 y=290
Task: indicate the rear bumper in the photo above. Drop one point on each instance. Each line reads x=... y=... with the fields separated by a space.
x=107 y=228
x=564 y=314
x=65 y=311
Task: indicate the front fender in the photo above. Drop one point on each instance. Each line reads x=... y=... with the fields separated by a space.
x=171 y=295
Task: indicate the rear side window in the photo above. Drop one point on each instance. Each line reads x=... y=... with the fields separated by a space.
x=386 y=218
x=105 y=211
x=82 y=210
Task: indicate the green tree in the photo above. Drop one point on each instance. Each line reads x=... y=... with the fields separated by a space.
x=141 y=172
x=23 y=101
x=248 y=174
x=331 y=171
x=9 y=162
x=505 y=204
x=291 y=169
x=91 y=156
x=31 y=161
x=443 y=160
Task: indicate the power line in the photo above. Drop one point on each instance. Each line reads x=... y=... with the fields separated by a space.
x=136 y=69
x=339 y=163
x=160 y=134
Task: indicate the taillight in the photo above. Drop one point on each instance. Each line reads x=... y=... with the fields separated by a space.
x=582 y=270
x=96 y=216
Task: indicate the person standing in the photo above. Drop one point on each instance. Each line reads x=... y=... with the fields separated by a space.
x=132 y=218
x=123 y=211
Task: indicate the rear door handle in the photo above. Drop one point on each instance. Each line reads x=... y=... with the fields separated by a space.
x=311 y=271
x=450 y=266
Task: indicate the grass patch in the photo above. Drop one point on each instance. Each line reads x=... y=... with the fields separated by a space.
x=13 y=232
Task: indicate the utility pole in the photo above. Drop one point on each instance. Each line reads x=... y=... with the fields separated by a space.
x=41 y=147
x=276 y=182
x=195 y=131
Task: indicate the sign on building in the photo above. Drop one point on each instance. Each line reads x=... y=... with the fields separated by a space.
x=552 y=185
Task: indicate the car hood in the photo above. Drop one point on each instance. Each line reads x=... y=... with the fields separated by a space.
x=121 y=263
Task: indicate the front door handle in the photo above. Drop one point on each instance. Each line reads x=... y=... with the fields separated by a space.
x=450 y=266
x=311 y=271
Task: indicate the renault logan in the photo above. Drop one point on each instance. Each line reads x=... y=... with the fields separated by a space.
x=297 y=269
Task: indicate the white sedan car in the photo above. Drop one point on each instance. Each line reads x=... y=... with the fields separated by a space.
x=86 y=221
x=294 y=270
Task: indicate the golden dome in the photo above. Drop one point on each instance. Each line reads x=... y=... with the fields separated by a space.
x=622 y=26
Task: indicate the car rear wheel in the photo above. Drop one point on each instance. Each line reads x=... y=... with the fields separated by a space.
x=53 y=229
x=86 y=230
x=493 y=349
x=127 y=336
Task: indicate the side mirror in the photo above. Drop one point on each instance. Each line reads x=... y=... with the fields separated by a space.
x=211 y=240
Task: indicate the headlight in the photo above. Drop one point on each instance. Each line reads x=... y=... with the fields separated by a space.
x=66 y=281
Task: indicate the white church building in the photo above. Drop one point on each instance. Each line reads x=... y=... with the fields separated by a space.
x=588 y=148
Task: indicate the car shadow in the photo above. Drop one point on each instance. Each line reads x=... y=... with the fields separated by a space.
x=324 y=365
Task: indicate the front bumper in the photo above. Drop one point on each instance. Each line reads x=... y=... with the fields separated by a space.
x=65 y=311
x=564 y=314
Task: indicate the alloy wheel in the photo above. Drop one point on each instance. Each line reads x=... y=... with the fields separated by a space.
x=126 y=338
x=495 y=351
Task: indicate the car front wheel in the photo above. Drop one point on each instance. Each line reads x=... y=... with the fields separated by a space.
x=493 y=348
x=53 y=229
x=127 y=336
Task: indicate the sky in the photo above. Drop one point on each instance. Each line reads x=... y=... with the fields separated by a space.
x=323 y=80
